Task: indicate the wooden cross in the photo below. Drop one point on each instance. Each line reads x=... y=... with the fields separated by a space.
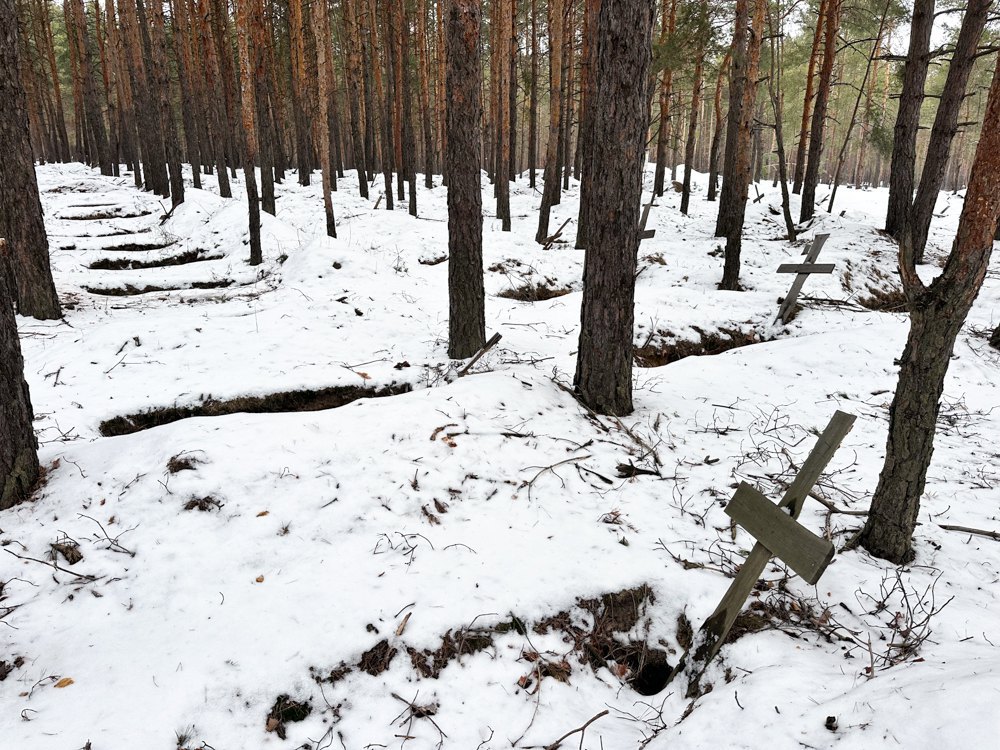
x=802 y=270
x=778 y=534
x=646 y=234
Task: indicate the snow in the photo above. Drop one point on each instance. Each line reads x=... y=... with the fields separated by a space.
x=326 y=529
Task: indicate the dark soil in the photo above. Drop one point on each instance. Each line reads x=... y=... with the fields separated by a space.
x=284 y=711
x=377 y=659
x=128 y=290
x=126 y=264
x=135 y=247
x=537 y=292
x=100 y=215
x=204 y=504
x=657 y=355
x=885 y=300
x=287 y=401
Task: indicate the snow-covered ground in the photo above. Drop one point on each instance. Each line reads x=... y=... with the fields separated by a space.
x=433 y=568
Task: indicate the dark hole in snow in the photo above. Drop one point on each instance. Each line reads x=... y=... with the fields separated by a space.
x=286 y=401
x=663 y=353
x=286 y=710
x=100 y=215
x=135 y=247
x=377 y=659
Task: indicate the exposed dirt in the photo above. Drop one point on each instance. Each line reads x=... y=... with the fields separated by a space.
x=663 y=353
x=284 y=711
x=885 y=300
x=537 y=292
x=126 y=264
x=286 y=401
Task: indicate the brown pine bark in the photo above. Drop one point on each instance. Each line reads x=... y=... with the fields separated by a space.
x=668 y=24
x=621 y=119
x=164 y=89
x=823 y=88
x=21 y=224
x=776 y=33
x=324 y=66
x=588 y=74
x=45 y=40
x=355 y=82
x=533 y=100
x=945 y=126
x=715 y=150
x=466 y=296
x=248 y=106
x=297 y=35
x=504 y=82
x=699 y=65
x=425 y=94
x=733 y=202
x=814 y=55
x=18 y=449
x=904 y=141
x=550 y=187
x=214 y=97
x=937 y=313
x=80 y=43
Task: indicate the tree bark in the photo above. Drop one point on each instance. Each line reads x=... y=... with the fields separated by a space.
x=937 y=313
x=248 y=106
x=668 y=24
x=621 y=120
x=21 y=221
x=324 y=67
x=551 y=176
x=588 y=75
x=904 y=143
x=715 y=150
x=800 y=153
x=699 y=65
x=466 y=296
x=963 y=57
x=823 y=88
x=18 y=449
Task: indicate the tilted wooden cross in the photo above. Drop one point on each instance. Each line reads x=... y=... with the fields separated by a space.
x=646 y=234
x=802 y=270
x=778 y=534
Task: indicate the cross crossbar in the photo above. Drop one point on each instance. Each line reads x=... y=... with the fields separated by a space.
x=713 y=632
x=806 y=268
x=812 y=253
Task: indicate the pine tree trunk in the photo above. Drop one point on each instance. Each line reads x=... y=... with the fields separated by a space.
x=425 y=94
x=466 y=296
x=945 y=126
x=621 y=119
x=168 y=124
x=668 y=24
x=715 y=150
x=18 y=449
x=904 y=143
x=823 y=89
x=937 y=313
x=27 y=261
x=733 y=203
x=588 y=61
x=248 y=105
x=551 y=176
x=501 y=55
x=807 y=102
x=324 y=67
x=214 y=95
x=533 y=100
x=692 y=135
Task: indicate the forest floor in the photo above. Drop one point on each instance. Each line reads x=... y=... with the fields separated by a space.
x=473 y=563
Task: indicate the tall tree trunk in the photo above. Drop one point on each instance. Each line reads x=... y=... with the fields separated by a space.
x=668 y=24
x=300 y=89
x=588 y=77
x=699 y=64
x=18 y=449
x=214 y=96
x=248 y=104
x=21 y=221
x=737 y=138
x=354 y=82
x=800 y=153
x=425 y=94
x=502 y=55
x=533 y=100
x=734 y=200
x=842 y=156
x=324 y=66
x=466 y=296
x=937 y=313
x=823 y=89
x=715 y=150
x=550 y=186
x=777 y=36
x=904 y=142
x=168 y=123
x=945 y=126
x=621 y=119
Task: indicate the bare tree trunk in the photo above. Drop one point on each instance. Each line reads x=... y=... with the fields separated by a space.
x=904 y=142
x=21 y=224
x=588 y=64
x=324 y=67
x=168 y=124
x=502 y=55
x=823 y=88
x=466 y=296
x=800 y=154
x=715 y=149
x=550 y=188
x=533 y=100
x=945 y=126
x=247 y=57
x=778 y=105
x=621 y=120
x=668 y=24
x=703 y=22
x=937 y=313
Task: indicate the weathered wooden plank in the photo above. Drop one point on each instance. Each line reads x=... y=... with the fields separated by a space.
x=803 y=551
x=647 y=234
x=713 y=632
x=811 y=252
x=806 y=268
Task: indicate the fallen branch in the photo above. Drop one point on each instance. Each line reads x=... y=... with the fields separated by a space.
x=581 y=729
x=994 y=535
x=82 y=576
